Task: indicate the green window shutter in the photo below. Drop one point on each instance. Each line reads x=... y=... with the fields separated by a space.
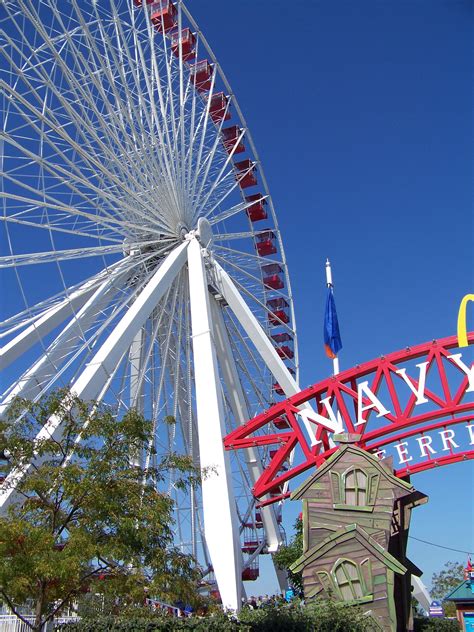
x=373 y=488
x=336 y=487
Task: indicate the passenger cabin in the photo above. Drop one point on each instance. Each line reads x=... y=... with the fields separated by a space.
x=281 y=423
x=266 y=243
x=251 y=542
x=278 y=389
x=271 y=276
x=246 y=173
x=218 y=108
x=185 y=44
x=138 y=3
x=230 y=138
x=257 y=210
x=258 y=520
x=283 y=337
x=163 y=16
x=201 y=75
x=250 y=574
x=278 y=317
x=273 y=282
x=285 y=352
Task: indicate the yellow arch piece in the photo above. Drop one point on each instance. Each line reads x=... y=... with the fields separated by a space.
x=462 y=325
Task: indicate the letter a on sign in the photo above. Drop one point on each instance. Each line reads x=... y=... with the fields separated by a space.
x=364 y=390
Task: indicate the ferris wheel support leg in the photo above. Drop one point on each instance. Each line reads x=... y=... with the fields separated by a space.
x=46 y=322
x=241 y=415
x=135 y=358
x=259 y=338
x=220 y=520
x=32 y=381
x=104 y=363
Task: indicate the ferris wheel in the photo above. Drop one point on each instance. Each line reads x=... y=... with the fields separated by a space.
x=142 y=261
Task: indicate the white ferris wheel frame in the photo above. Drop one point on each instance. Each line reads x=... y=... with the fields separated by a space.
x=78 y=306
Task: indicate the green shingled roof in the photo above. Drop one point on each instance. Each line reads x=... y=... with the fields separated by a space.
x=463 y=592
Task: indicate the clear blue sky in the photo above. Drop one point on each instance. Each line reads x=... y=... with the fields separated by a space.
x=362 y=115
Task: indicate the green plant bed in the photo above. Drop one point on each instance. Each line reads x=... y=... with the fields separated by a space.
x=214 y=623
x=323 y=617
x=437 y=625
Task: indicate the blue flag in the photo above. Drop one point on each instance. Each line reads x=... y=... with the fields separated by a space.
x=332 y=337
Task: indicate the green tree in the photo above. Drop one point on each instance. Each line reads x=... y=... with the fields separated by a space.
x=289 y=554
x=444 y=582
x=87 y=518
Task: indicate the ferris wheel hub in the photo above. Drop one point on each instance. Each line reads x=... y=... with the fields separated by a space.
x=182 y=230
x=204 y=232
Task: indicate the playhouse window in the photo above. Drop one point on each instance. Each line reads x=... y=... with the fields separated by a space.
x=355 y=487
x=348 y=580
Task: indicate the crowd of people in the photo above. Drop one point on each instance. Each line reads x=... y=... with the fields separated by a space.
x=262 y=601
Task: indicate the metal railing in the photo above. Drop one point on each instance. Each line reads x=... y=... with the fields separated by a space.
x=11 y=623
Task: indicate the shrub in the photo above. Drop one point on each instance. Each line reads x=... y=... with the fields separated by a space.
x=423 y=624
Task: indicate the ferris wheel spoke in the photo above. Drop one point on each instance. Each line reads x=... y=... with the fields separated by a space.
x=30 y=314
x=247 y=255
x=223 y=175
x=58 y=229
x=254 y=279
x=233 y=211
x=76 y=337
x=116 y=62
x=233 y=236
x=77 y=87
x=197 y=166
x=70 y=181
x=51 y=317
x=101 y=218
x=156 y=120
x=255 y=375
x=224 y=193
x=59 y=255
x=149 y=161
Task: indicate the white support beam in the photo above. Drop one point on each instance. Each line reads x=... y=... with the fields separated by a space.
x=33 y=380
x=241 y=414
x=220 y=520
x=259 y=339
x=48 y=320
x=136 y=358
x=103 y=364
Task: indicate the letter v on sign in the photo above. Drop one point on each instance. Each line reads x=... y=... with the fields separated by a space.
x=332 y=422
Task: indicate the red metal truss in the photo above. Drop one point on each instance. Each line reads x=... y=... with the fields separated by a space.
x=280 y=425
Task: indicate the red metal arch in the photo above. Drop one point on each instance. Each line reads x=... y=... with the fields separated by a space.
x=281 y=427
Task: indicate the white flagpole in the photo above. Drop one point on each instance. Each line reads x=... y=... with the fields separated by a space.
x=335 y=361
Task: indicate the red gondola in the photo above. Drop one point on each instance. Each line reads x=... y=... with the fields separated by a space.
x=218 y=109
x=246 y=173
x=266 y=243
x=283 y=337
x=281 y=423
x=230 y=138
x=201 y=75
x=250 y=546
x=256 y=211
x=285 y=352
x=273 y=282
x=250 y=574
x=278 y=317
x=185 y=43
x=163 y=15
x=278 y=389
